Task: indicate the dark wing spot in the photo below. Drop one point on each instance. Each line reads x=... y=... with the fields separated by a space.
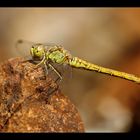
x=20 y=41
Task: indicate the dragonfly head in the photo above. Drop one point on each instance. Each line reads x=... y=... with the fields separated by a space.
x=37 y=51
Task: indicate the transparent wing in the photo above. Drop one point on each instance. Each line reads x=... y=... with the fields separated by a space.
x=23 y=47
x=64 y=70
x=49 y=45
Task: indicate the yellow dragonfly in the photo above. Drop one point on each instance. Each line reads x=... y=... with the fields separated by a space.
x=47 y=54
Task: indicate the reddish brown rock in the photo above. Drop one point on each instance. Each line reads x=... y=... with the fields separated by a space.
x=30 y=101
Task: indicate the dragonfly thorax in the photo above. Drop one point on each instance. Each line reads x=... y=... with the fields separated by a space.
x=57 y=55
x=37 y=51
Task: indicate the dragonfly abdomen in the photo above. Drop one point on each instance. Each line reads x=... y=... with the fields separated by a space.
x=79 y=63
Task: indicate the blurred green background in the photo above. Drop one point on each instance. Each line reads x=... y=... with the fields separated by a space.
x=108 y=37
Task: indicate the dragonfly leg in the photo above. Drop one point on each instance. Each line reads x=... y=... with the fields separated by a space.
x=46 y=67
x=55 y=71
x=41 y=62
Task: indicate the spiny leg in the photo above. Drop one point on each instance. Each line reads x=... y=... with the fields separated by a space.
x=36 y=65
x=55 y=71
x=42 y=61
x=46 y=67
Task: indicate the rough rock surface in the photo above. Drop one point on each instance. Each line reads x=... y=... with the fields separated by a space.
x=30 y=101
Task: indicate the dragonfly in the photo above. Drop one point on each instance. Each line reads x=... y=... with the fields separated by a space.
x=48 y=54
